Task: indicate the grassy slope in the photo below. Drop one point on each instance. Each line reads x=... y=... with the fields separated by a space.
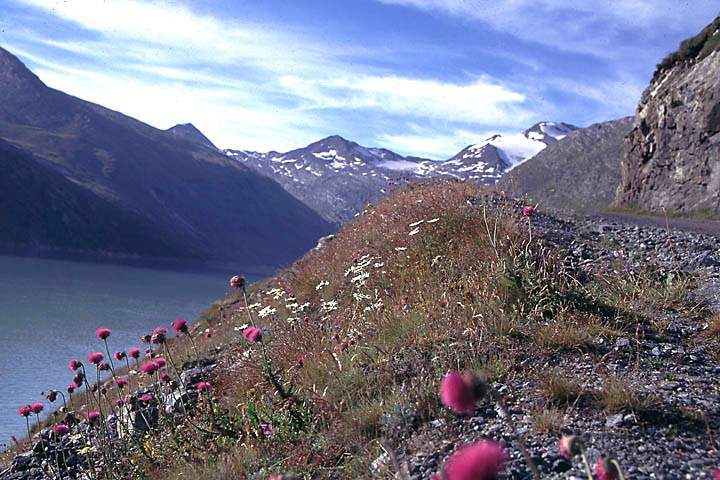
x=389 y=311
x=392 y=304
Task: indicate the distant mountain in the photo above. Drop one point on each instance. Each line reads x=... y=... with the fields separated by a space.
x=338 y=177
x=188 y=131
x=41 y=211
x=578 y=172
x=173 y=180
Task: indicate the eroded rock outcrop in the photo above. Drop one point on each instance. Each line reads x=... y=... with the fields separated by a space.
x=672 y=154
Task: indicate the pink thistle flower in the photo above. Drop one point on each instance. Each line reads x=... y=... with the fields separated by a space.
x=134 y=352
x=160 y=362
x=252 y=334
x=479 y=461
x=120 y=355
x=148 y=353
x=25 y=410
x=716 y=474
x=74 y=365
x=92 y=417
x=180 y=325
x=60 y=429
x=148 y=368
x=605 y=469
x=147 y=398
x=122 y=382
x=202 y=386
x=160 y=331
x=37 y=407
x=104 y=367
x=164 y=377
x=95 y=358
x=158 y=338
x=570 y=446
x=528 y=211
x=71 y=388
x=460 y=392
x=237 y=281
x=103 y=333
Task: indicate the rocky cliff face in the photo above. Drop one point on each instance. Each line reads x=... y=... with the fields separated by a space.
x=672 y=154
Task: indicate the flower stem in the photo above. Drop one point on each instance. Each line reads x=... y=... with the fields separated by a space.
x=588 y=470
x=521 y=443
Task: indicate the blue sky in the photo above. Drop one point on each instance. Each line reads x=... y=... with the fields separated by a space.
x=423 y=77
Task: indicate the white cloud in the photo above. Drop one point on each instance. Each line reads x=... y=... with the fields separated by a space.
x=483 y=100
x=429 y=143
x=607 y=29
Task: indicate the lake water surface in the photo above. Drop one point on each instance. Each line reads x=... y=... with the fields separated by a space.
x=49 y=310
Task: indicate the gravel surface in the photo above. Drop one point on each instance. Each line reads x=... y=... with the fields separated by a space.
x=677 y=438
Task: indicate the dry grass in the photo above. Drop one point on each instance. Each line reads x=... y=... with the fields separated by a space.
x=560 y=389
x=618 y=395
x=548 y=419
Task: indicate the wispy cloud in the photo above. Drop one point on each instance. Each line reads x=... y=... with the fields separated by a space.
x=279 y=82
x=606 y=29
x=483 y=100
x=431 y=142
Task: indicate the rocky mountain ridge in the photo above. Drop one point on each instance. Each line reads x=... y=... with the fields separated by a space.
x=579 y=173
x=338 y=177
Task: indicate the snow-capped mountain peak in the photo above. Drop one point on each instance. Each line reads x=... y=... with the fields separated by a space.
x=337 y=177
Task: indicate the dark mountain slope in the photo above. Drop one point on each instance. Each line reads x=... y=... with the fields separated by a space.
x=43 y=212
x=200 y=197
x=578 y=172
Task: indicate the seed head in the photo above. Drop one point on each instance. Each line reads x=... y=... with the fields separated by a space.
x=480 y=461
x=92 y=417
x=238 y=281
x=102 y=333
x=570 y=446
x=605 y=469
x=60 y=429
x=95 y=358
x=180 y=325
x=460 y=392
x=148 y=368
x=202 y=386
x=252 y=334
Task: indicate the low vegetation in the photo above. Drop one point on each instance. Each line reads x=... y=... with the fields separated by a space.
x=340 y=358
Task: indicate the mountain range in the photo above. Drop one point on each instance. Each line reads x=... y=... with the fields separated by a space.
x=85 y=179
x=338 y=177
x=171 y=191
